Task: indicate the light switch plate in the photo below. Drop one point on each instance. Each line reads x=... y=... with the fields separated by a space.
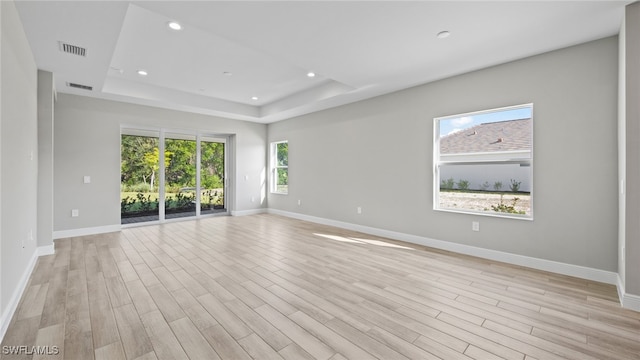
x=87 y=179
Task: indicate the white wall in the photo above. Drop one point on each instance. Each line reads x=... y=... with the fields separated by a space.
x=377 y=154
x=45 y=158
x=622 y=144
x=632 y=153
x=87 y=142
x=18 y=160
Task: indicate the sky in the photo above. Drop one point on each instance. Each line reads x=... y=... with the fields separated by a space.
x=449 y=125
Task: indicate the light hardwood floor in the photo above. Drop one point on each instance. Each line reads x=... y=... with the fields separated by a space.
x=269 y=287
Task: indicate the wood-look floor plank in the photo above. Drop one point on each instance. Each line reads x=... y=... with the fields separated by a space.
x=266 y=286
x=112 y=351
x=103 y=322
x=170 y=309
x=304 y=339
x=400 y=345
x=117 y=290
x=258 y=349
x=224 y=344
x=165 y=343
x=135 y=341
x=258 y=325
x=330 y=337
x=51 y=340
x=140 y=297
x=192 y=341
x=232 y=324
x=78 y=336
x=34 y=300
x=294 y=352
x=55 y=302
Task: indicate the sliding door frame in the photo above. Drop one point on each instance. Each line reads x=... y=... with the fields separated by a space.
x=227 y=178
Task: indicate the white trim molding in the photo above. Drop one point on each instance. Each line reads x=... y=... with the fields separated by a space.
x=45 y=250
x=61 y=234
x=22 y=285
x=17 y=294
x=248 y=212
x=583 y=272
x=628 y=301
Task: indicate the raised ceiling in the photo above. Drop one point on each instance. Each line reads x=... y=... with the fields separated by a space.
x=250 y=60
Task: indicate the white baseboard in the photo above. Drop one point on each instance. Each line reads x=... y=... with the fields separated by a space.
x=22 y=285
x=620 y=287
x=45 y=250
x=628 y=301
x=15 y=297
x=631 y=302
x=531 y=262
x=248 y=212
x=86 y=231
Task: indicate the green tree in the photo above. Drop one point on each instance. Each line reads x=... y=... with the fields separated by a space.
x=181 y=171
x=134 y=168
x=282 y=157
x=151 y=160
x=211 y=165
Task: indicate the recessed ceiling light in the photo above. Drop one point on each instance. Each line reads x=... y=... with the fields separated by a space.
x=174 y=26
x=227 y=73
x=311 y=74
x=254 y=98
x=443 y=34
x=143 y=72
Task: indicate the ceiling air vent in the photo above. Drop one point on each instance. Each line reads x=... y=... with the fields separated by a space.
x=72 y=49
x=80 y=86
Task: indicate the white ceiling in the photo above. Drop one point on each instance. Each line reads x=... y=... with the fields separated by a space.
x=357 y=49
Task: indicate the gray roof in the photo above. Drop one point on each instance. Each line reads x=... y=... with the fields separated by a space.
x=511 y=135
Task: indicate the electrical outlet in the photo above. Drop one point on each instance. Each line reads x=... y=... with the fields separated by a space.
x=253 y=199
x=75 y=213
x=359 y=210
x=87 y=179
x=299 y=202
x=475 y=225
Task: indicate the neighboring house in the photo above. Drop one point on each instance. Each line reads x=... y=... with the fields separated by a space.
x=497 y=141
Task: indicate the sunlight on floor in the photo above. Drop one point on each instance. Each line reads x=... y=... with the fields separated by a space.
x=362 y=241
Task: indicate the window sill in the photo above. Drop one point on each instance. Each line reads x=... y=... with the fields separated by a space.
x=489 y=214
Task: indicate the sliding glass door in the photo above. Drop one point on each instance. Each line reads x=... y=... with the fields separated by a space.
x=139 y=176
x=212 y=175
x=180 y=176
x=189 y=180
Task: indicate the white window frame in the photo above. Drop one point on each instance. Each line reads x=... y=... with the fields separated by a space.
x=275 y=167
x=480 y=159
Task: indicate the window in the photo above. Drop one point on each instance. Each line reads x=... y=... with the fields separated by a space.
x=280 y=167
x=483 y=162
x=190 y=182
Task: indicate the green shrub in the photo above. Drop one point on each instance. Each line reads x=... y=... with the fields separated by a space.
x=139 y=187
x=515 y=185
x=504 y=208
x=447 y=184
x=497 y=186
x=463 y=184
